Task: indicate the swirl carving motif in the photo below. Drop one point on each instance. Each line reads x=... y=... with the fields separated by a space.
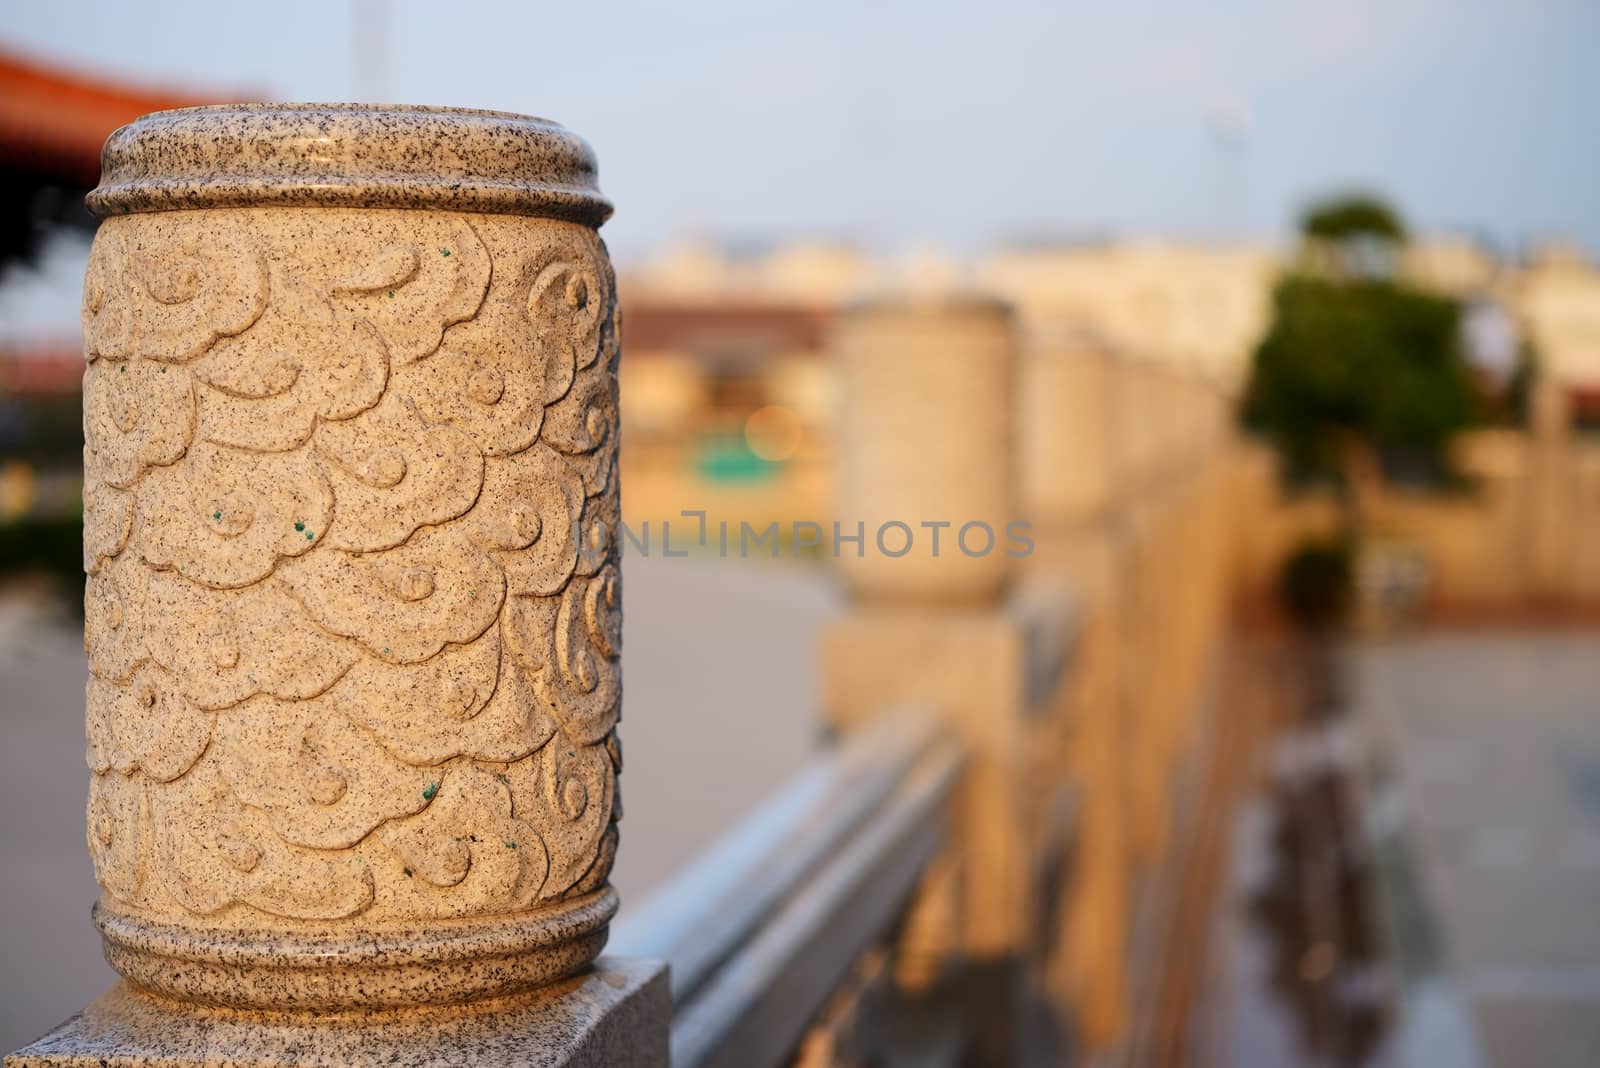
x=346 y=658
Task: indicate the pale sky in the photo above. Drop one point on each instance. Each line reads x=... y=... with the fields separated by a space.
x=900 y=121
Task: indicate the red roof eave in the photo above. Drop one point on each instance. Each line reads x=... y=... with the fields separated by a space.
x=53 y=123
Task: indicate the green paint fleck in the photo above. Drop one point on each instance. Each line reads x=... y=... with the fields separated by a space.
x=163 y=370
x=299 y=526
x=407 y=871
x=385 y=650
x=510 y=844
x=429 y=790
x=123 y=369
x=391 y=294
x=309 y=535
x=444 y=252
x=216 y=515
x=502 y=777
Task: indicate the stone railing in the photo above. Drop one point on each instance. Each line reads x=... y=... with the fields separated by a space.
x=1068 y=679
x=353 y=628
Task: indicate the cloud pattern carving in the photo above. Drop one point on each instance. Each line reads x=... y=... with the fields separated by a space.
x=345 y=657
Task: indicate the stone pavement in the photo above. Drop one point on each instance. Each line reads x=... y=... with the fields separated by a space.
x=719 y=711
x=51 y=952
x=1494 y=742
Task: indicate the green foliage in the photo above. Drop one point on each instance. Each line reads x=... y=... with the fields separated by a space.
x=1352 y=237
x=1368 y=359
x=1350 y=217
x=1356 y=358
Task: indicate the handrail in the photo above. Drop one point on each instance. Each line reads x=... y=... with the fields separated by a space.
x=760 y=928
x=704 y=912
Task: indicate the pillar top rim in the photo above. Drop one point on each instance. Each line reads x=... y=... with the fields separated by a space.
x=349 y=155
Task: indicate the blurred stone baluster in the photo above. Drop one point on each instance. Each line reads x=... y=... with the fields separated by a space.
x=1066 y=412
x=927 y=437
x=1069 y=412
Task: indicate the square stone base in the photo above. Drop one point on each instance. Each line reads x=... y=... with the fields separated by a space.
x=616 y=1015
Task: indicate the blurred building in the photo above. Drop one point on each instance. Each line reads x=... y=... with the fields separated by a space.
x=1196 y=307
x=727 y=387
x=1557 y=296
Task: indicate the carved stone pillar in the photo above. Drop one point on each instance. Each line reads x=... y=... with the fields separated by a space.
x=350 y=422
x=926 y=437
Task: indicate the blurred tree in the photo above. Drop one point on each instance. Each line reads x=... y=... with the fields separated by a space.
x=1316 y=585
x=1351 y=216
x=1359 y=372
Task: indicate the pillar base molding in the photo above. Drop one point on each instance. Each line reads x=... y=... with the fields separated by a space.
x=616 y=1014
x=436 y=962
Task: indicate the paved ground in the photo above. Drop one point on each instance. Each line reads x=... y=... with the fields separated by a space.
x=1495 y=740
x=719 y=711
x=1293 y=975
x=51 y=953
x=1467 y=767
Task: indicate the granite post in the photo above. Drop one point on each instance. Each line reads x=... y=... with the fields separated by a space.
x=353 y=610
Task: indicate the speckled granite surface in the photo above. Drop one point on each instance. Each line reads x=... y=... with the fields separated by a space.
x=354 y=679
x=349 y=155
